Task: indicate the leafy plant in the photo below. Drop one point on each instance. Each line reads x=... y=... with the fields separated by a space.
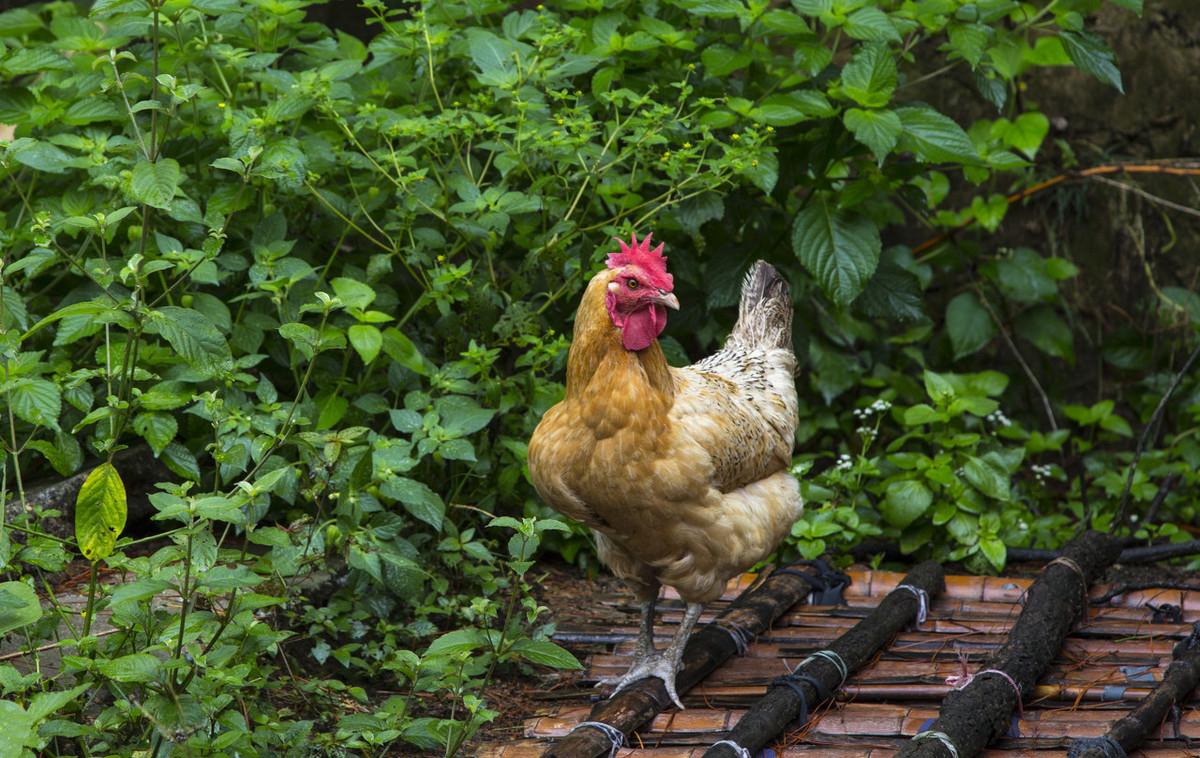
x=325 y=281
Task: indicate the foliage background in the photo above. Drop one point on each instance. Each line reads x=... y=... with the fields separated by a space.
x=328 y=282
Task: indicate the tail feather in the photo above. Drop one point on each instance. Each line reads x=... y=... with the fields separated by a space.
x=765 y=313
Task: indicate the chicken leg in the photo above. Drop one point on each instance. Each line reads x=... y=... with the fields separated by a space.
x=664 y=664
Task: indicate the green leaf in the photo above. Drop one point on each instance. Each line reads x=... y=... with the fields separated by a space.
x=987 y=478
x=1048 y=332
x=100 y=510
x=839 y=249
x=37 y=401
x=995 y=551
x=968 y=325
x=158 y=429
x=458 y=641
x=181 y=461
x=935 y=138
x=905 y=501
x=19 y=606
x=494 y=57
x=155 y=183
x=353 y=293
x=366 y=340
x=18 y=731
x=136 y=667
x=461 y=416
x=401 y=349
x=194 y=338
x=892 y=293
x=41 y=156
x=423 y=503
x=1026 y=133
x=546 y=653
x=870 y=77
x=45 y=704
x=1091 y=54
x=1129 y=5
x=939 y=387
x=878 y=130
x=870 y=23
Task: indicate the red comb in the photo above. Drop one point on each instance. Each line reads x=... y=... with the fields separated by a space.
x=640 y=254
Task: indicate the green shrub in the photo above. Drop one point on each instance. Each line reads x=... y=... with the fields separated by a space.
x=327 y=282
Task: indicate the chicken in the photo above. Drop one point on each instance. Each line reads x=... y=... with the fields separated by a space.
x=681 y=473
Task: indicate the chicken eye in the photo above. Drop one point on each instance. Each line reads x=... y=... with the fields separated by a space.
x=632 y=283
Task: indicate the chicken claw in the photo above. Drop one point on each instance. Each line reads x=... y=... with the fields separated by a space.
x=663 y=664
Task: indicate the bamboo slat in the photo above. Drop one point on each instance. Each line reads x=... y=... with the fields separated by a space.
x=1109 y=663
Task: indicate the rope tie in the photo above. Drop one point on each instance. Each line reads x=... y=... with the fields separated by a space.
x=1063 y=560
x=833 y=658
x=922 y=601
x=1110 y=747
x=616 y=737
x=741 y=638
x=961 y=680
x=827 y=584
x=941 y=737
x=741 y=751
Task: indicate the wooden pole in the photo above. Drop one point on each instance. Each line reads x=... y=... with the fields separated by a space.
x=1180 y=679
x=857 y=647
x=707 y=649
x=982 y=710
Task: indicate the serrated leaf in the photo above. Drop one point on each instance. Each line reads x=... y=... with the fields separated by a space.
x=934 y=137
x=879 y=130
x=41 y=156
x=461 y=416
x=987 y=478
x=1092 y=55
x=158 y=429
x=870 y=77
x=423 y=503
x=194 y=337
x=155 y=183
x=839 y=249
x=100 y=510
x=870 y=23
x=892 y=293
x=366 y=340
x=905 y=501
x=37 y=401
x=181 y=461
x=494 y=57
x=136 y=667
x=19 y=606
x=968 y=325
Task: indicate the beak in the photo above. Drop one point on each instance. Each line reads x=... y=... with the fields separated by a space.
x=668 y=299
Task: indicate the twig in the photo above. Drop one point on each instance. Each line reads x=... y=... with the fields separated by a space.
x=1020 y=359
x=1173 y=167
x=1147 y=195
x=1119 y=522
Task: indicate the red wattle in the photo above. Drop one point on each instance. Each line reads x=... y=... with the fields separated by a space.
x=643 y=326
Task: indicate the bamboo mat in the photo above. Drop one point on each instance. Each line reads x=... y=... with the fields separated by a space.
x=1112 y=659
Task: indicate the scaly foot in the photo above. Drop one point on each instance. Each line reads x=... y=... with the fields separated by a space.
x=659 y=664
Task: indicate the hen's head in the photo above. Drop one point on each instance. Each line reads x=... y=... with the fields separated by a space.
x=639 y=292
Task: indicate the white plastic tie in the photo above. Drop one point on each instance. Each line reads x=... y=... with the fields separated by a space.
x=941 y=737
x=615 y=736
x=922 y=601
x=833 y=658
x=741 y=751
